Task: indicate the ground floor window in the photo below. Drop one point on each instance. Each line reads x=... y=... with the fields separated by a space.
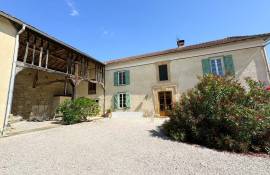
x=92 y=88
x=122 y=100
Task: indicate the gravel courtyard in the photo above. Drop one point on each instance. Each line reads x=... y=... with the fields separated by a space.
x=116 y=146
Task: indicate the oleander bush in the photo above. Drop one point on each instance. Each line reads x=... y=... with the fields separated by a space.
x=220 y=113
x=75 y=111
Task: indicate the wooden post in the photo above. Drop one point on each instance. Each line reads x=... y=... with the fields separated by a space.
x=47 y=57
x=81 y=71
x=87 y=70
x=67 y=66
x=26 y=49
x=26 y=52
x=40 y=54
x=34 y=51
x=33 y=56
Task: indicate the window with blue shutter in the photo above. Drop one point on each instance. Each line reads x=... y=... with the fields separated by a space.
x=121 y=78
x=122 y=100
x=116 y=101
x=218 y=66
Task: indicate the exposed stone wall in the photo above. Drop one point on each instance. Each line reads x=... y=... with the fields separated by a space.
x=37 y=102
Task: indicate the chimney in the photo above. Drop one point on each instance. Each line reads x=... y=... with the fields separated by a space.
x=180 y=43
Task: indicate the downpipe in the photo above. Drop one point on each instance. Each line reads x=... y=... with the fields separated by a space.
x=12 y=79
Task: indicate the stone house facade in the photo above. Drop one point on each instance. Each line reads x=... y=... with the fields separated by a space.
x=155 y=80
x=38 y=72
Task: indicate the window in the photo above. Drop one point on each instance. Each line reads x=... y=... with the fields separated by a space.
x=163 y=72
x=122 y=100
x=121 y=78
x=223 y=65
x=216 y=67
x=92 y=88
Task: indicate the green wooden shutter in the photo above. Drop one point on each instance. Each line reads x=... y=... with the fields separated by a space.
x=228 y=65
x=116 y=101
x=128 y=100
x=206 y=66
x=127 y=77
x=115 y=78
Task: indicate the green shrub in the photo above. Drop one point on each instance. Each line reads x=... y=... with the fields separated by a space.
x=75 y=111
x=219 y=113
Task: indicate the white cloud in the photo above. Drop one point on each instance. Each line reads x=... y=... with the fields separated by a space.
x=106 y=32
x=73 y=10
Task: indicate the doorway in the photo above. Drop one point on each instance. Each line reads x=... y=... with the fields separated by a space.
x=165 y=102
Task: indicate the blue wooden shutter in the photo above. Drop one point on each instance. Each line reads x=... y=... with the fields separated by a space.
x=127 y=77
x=116 y=101
x=128 y=100
x=228 y=65
x=206 y=66
x=116 y=79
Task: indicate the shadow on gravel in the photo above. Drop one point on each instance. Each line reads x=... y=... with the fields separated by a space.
x=158 y=133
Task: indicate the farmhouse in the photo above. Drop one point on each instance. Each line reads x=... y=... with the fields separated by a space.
x=38 y=72
x=150 y=83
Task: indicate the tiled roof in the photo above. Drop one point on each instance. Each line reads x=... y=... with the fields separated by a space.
x=192 y=47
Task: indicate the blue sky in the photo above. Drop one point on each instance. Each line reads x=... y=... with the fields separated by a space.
x=108 y=29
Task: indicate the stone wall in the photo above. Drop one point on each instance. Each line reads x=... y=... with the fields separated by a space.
x=37 y=102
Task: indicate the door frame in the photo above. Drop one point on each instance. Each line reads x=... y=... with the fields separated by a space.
x=160 y=88
x=166 y=95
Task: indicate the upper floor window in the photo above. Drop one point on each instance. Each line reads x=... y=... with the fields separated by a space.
x=220 y=66
x=163 y=72
x=121 y=78
x=216 y=67
x=92 y=88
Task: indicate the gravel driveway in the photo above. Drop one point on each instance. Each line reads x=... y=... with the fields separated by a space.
x=116 y=146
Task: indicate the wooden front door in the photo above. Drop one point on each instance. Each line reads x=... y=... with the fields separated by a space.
x=165 y=102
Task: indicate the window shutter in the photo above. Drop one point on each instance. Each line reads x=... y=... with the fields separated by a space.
x=127 y=77
x=115 y=77
x=116 y=101
x=228 y=65
x=128 y=100
x=206 y=66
